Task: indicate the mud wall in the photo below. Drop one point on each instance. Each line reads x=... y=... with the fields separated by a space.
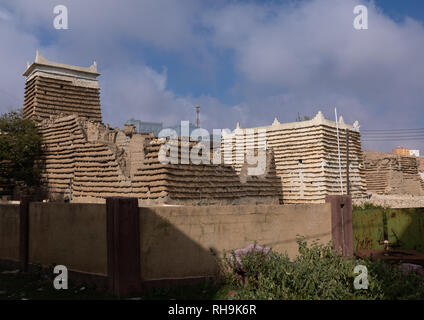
x=53 y=95
x=306 y=157
x=86 y=161
x=388 y=173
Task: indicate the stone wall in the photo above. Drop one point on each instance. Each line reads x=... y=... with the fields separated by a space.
x=387 y=173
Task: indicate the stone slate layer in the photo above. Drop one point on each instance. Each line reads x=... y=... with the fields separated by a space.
x=75 y=165
x=387 y=173
x=51 y=96
x=202 y=183
x=89 y=171
x=306 y=158
x=87 y=161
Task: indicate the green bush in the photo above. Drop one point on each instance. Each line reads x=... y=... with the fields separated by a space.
x=316 y=273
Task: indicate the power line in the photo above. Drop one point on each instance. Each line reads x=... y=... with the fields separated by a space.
x=387 y=135
x=392 y=133
x=390 y=130
x=393 y=136
x=399 y=139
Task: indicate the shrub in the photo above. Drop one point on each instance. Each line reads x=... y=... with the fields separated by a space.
x=318 y=272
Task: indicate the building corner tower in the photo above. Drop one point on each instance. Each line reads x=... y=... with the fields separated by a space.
x=53 y=89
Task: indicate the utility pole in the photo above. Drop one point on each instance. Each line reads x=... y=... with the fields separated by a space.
x=198 y=116
x=347 y=162
x=338 y=151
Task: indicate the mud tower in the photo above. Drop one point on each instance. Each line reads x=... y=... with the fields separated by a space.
x=58 y=89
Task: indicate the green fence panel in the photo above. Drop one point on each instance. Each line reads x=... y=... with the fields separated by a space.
x=368 y=229
x=405 y=228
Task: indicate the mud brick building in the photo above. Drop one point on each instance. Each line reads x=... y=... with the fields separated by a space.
x=306 y=157
x=87 y=161
x=53 y=88
x=395 y=174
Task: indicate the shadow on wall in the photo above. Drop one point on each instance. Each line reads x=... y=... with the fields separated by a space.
x=177 y=244
x=186 y=252
x=168 y=254
x=309 y=239
x=185 y=242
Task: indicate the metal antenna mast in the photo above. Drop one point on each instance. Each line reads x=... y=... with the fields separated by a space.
x=198 y=116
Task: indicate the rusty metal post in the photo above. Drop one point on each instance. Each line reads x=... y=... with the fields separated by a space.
x=123 y=245
x=341 y=223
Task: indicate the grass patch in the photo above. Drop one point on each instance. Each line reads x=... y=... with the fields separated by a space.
x=368 y=206
x=202 y=291
x=316 y=273
x=38 y=285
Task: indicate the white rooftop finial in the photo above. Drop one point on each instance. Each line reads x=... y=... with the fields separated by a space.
x=276 y=122
x=356 y=126
x=55 y=67
x=94 y=66
x=319 y=116
x=341 y=120
x=238 y=126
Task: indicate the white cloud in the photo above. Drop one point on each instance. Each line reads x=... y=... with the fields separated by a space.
x=301 y=57
x=4 y=15
x=288 y=58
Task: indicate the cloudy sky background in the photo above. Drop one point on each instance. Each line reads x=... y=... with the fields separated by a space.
x=241 y=61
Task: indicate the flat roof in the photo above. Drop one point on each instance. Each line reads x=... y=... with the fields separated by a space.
x=43 y=62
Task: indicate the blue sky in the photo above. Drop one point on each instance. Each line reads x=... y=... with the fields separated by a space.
x=241 y=61
x=398 y=9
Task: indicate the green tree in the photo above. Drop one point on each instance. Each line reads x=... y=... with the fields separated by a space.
x=20 y=149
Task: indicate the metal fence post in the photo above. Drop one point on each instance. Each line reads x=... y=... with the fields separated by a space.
x=24 y=233
x=341 y=223
x=123 y=245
